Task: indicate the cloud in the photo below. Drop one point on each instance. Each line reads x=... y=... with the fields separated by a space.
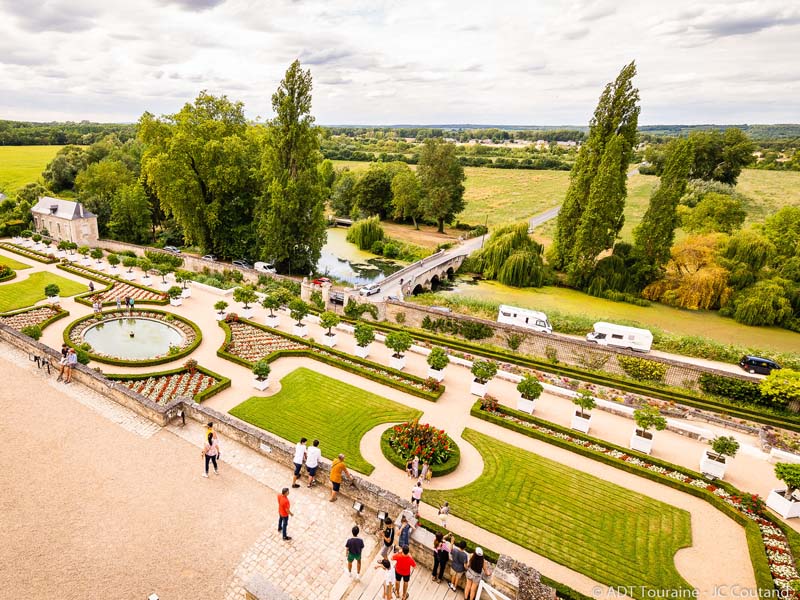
x=575 y=33
x=324 y=57
x=196 y=5
x=37 y=16
x=721 y=21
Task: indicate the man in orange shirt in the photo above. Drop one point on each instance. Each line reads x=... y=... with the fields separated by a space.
x=337 y=469
x=284 y=512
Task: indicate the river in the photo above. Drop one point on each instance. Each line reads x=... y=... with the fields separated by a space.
x=344 y=261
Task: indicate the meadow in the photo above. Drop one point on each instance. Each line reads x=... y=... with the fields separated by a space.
x=23 y=164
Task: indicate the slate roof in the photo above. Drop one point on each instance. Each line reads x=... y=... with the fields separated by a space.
x=63 y=209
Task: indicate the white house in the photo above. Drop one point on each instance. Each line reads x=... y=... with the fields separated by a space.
x=65 y=220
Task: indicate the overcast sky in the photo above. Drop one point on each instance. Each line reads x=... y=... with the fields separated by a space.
x=373 y=62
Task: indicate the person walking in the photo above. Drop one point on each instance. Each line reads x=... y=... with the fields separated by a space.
x=404 y=565
x=355 y=546
x=458 y=563
x=388 y=581
x=405 y=532
x=284 y=512
x=441 y=554
x=298 y=460
x=416 y=494
x=63 y=361
x=312 y=462
x=72 y=360
x=338 y=470
x=211 y=452
x=476 y=567
x=119 y=303
x=91 y=286
x=444 y=510
x=387 y=536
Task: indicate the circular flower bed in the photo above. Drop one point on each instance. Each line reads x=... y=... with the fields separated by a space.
x=402 y=442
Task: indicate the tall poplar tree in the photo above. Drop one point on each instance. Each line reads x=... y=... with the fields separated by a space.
x=291 y=225
x=591 y=215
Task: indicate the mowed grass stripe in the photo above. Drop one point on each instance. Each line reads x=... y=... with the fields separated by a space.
x=315 y=406
x=31 y=290
x=613 y=535
x=14 y=264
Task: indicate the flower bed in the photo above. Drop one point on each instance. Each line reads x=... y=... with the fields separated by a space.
x=29 y=253
x=770 y=542
x=114 y=288
x=401 y=442
x=36 y=315
x=252 y=344
x=7 y=273
x=165 y=386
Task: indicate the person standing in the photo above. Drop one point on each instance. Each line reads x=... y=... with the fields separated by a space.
x=72 y=360
x=444 y=510
x=476 y=567
x=441 y=554
x=355 y=546
x=63 y=361
x=91 y=286
x=312 y=461
x=458 y=564
x=416 y=494
x=119 y=303
x=405 y=531
x=298 y=460
x=415 y=467
x=338 y=469
x=210 y=452
x=388 y=536
x=404 y=564
x=388 y=581
x=284 y=512
x=130 y=303
x=425 y=473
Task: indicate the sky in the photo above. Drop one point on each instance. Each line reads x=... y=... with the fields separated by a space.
x=522 y=62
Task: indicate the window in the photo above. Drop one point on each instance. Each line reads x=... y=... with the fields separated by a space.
x=616 y=336
x=505 y=314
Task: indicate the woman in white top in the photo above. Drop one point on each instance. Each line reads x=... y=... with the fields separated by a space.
x=388 y=582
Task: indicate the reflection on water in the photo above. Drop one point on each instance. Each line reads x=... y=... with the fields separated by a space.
x=132 y=338
x=345 y=261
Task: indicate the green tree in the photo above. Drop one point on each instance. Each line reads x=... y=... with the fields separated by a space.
x=591 y=215
x=60 y=173
x=765 y=303
x=328 y=320
x=441 y=179
x=406 y=196
x=130 y=214
x=298 y=310
x=715 y=212
x=781 y=386
x=783 y=230
x=720 y=156
x=291 y=225
x=398 y=342
x=97 y=185
x=328 y=174
x=202 y=164
x=27 y=196
x=364 y=334
x=374 y=191
x=343 y=196
x=244 y=295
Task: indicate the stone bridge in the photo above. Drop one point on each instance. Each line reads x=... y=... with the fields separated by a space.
x=423 y=275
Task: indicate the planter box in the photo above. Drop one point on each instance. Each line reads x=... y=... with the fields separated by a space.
x=478 y=389
x=788 y=509
x=164 y=286
x=129 y=276
x=113 y=270
x=54 y=299
x=437 y=374
x=642 y=443
x=260 y=384
x=99 y=266
x=777 y=455
x=219 y=316
x=272 y=321
x=710 y=466
x=525 y=405
x=581 y=423
x=176 y=301
x=397 y=363
x=329 y=340
x=186 y=293
x=146 y=280
x=299 y=330
x=362 y=351
x=246 y=313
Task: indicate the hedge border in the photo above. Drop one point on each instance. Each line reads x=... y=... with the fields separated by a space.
x=29 y=253
x=755 y=545
x=97 y=276
x=138 y=363
x=11 y=275
x=427 y=395
x=222 y=382
x=438 y=470
x=59 y=315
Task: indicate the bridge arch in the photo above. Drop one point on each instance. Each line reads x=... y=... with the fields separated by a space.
x=418 y=289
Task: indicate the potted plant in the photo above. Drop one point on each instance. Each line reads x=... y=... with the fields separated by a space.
x=164 y=270
x=437 y=361
x=398 y=342
x=647 y=417
x=145 y=264
x=84 y=252
x=26 y=237
x=62 y=247
x=220 y=306
x=183 y=277
x=261 y=371
x=483 y=371
x=715 y=461
x=298 y=311
x=97 y=254
x=245 y=294
x=37 y=238
x=585 y=402
x=529 y=390
x=328 y=320
x=273 y=301
x=129 y=262
x=113 y=260
x=782 y=501
x=174 y=294
x=51 y=290
x=191 y=366
x=364 y=335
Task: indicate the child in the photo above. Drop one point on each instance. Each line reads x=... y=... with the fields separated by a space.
x=388 y=582
x=443 y=512
x=424 y=474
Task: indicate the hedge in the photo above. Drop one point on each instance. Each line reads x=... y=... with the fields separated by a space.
x=331 y=360
x=29 y=253
x=59 y=315
x=438 y=470
x=742 y=391
x=222 y=382
x=103 y=278
x=641 y=368
x=755 y=544
x=10 y=274
x=138 y=363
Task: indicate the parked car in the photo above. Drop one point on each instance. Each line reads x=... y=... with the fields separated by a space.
x=369 y=290
x=172 y=249
x=265 y=267
x=209 y=257
x=321 y=280
x=757 y=364
x=243 y=264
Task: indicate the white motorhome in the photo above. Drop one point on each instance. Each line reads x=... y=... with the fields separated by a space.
x=522 y=317
x=620 y=336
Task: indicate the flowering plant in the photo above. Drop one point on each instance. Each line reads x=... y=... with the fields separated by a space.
x=430 y=444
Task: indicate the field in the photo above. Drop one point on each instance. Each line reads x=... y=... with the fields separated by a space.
x=23 y=164
x=768 y=191
x=613 y=535
x=31 y=290
x=317 y=407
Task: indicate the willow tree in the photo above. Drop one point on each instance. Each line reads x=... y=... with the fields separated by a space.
x=512 y=257
x=291 y=225
x=365 y=233
x=591 y=216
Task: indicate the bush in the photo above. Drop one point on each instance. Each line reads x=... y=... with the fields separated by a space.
x=725 y=445
x=400 y=318
x=262 y=369
x=468 y=329
x=430 y=444
x=174 y=292
x=514 y=340
x=529 y=387
x=642 y=369
x=365 y=233
x=649 y=417
x=788 y=474
x=781 y=387
x=377 y=247
x=32 y=331
x=316 y=300
x=354 y=310
x=391 y=250
x=484 y=370
x=83 y=356
x=364 y=334
x=438 y=358
x=51 y=289
x=739 y=390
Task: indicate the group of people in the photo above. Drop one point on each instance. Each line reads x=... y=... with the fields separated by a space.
x=471 y=566
x=127 y=302
x=69 y=358
x=414 y=471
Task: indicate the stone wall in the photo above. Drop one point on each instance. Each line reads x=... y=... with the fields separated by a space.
x=570 y=351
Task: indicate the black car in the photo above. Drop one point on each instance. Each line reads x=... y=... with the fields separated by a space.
x=757 y=364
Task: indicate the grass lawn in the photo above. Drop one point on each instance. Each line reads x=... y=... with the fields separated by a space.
x=23 y=164
x=318 y=407
x=14 y=264
x=31 y=290
x=613 y=535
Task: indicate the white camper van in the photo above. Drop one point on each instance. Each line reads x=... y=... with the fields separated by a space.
x=632 y=338
x=522 y=317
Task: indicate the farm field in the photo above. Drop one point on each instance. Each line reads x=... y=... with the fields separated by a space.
x=769 y=191
x=23 y=164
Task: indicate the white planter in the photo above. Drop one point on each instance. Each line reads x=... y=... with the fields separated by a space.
x=61 y=254
x=525 y=405
x=777 y=455
x=260 y=384
x=246 y=313
x=641 y=444
x=437 y=374
x=272 y=321
x=164 y=286
x=478 y=389
x=99 y=266
x=362 y=351
x=397 y=363
x=709 y=466
x=129 y=276
x=581 y=424
x=186 y=293
x=146 y=280
x=219 y=316
x=114 y=270
x=329 y=340
x=299 y=330
x=176 y=301
x=54 y=299
x=86 y=262
x=788 y=509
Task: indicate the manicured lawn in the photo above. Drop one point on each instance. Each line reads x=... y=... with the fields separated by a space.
x=14 y=264
x=31 y=290
x=317 y=407
x=613 y=535
x=23 y=164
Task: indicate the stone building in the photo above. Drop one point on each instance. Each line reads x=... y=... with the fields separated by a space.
x=65 y=220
